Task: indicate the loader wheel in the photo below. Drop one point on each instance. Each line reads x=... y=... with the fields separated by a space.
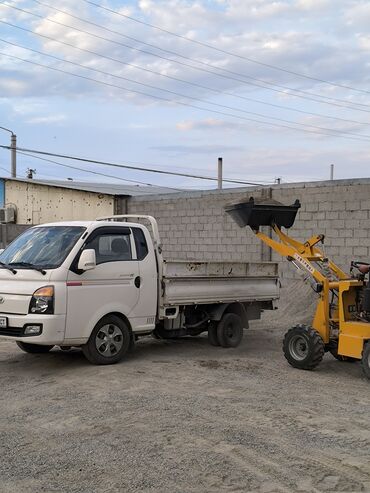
x=212 y=334
x=230 y=330
x=303 y=347
x=33 y=348
x=365 y=361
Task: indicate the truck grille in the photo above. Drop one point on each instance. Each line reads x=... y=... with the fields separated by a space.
x=11 y=331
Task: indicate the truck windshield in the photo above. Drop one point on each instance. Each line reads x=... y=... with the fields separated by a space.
x=44 y=247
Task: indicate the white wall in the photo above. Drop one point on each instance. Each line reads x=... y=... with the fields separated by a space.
x=37 y=204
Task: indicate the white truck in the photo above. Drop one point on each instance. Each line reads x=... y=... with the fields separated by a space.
x=102 y=284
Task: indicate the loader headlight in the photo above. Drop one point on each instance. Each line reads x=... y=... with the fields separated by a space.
x=42 y=301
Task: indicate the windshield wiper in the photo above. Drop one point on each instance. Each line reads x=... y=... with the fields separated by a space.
x=6 y=266
x=31 y=266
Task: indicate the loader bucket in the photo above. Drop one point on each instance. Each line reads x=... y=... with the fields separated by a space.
x=255 y=214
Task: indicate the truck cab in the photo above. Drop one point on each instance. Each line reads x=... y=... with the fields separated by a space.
x=59 y=280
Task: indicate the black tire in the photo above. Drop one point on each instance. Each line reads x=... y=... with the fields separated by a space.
x=333 y=350
x=212 y=334
x=365 y=361
x=230 y=330
x=303 y=347
x=109 y=341
x=33 y=348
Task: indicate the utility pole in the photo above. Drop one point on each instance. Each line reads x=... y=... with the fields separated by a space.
x=13 y=145
x=13 y=148
x=332 y=171
x=219 y=175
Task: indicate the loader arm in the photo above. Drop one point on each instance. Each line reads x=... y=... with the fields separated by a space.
x=323 y=274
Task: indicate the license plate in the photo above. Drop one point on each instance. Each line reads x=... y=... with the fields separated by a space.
x=3 y=322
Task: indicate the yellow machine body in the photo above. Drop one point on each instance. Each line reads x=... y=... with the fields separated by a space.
x=338 y=323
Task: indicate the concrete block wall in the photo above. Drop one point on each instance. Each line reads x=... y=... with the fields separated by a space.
x=193 y=225
x=8 y=233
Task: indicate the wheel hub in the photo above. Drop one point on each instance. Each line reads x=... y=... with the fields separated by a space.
x=109 y=340
x=298 y=347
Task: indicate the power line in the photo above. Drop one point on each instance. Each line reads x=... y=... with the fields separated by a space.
x=99 y=174
x=275 y=67
x=169 y=91
x=223 y=106
x=298 y=91
x=236 y=181
x=189 y=105
x=125 y=166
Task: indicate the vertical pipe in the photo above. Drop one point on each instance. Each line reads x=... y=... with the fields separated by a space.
x=13 y=146
x=332 y=171
x=219 y=175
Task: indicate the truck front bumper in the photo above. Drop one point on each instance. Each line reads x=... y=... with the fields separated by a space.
x=52 y=328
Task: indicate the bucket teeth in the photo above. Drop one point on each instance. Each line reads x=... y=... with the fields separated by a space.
x=255 y=213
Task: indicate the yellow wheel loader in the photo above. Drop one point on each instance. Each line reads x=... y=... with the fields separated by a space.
x=341 y=323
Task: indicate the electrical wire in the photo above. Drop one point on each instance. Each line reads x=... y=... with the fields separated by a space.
x=223 y=106
x=102 y=174
x=125 y=166
x=353 y=105
x=236 y=181
x=195 y=60
x=220 y=50
x=332 y=132
x=173 y=92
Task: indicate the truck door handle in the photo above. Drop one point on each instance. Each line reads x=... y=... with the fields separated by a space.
x=137 y=281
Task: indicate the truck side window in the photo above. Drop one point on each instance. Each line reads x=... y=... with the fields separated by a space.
x=111 y=248
x=140 y=243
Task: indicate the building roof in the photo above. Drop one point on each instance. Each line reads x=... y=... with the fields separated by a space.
x=105 y=188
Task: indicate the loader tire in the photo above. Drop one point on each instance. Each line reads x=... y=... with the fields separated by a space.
x=365 y=361
x=303 y=347
x=230 y=330
x=33 y=348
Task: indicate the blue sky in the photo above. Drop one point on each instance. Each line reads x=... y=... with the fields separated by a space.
x=65 y=114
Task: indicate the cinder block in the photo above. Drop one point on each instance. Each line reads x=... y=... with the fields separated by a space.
x=360 y=251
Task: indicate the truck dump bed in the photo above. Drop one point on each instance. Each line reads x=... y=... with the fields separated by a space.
x=188 y=282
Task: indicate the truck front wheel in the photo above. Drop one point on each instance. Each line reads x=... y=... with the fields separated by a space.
x=230 y=330
x=109 y=341
x=33 y=348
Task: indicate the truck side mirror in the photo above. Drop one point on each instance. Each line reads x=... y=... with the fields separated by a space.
x=87 y=260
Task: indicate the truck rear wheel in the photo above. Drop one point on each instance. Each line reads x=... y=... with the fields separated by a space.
x=212 y=334
x=365 y=361
x=109 y=341
x=33 y=348
x=230 y=330
x=303 y=347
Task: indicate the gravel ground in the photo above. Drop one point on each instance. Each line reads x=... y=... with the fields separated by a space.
x=183 y=416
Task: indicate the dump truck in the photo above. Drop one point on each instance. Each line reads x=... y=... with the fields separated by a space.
x=341 y=324
x=100 y=285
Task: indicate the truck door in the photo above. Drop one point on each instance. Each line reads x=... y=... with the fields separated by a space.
x=113 y=285
x=146 y=309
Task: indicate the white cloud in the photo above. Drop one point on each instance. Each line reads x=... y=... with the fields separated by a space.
x=46 y=119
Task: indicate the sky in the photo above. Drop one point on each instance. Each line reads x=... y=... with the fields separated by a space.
x=279 y=89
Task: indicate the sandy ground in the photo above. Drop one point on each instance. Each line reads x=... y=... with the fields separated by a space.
x=183 y=416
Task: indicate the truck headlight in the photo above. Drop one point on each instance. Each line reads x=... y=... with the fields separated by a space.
x=42 y=300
